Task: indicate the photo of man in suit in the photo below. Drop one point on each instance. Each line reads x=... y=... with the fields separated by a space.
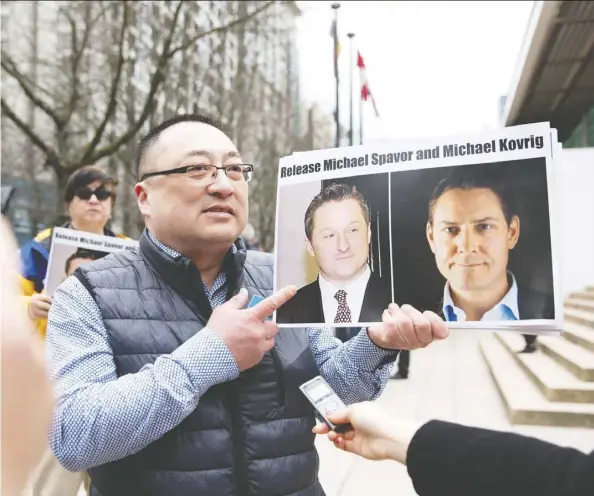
x=473 y=225
x=338 y=234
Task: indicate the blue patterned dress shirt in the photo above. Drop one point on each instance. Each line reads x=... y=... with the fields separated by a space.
x=100 y=417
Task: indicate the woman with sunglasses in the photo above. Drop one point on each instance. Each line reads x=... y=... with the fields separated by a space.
x=89 y=197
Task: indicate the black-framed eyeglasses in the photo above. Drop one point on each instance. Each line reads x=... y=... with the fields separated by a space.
x=100 y=193
x=235 y=172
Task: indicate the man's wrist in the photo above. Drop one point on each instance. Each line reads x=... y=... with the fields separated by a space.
x=375 y=357
x=375 y=341
x=207 y=347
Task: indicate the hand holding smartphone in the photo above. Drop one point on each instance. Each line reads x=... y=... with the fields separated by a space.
x=325 y=401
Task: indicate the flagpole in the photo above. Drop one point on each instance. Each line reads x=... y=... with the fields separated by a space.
x=335 y=7
x=360 y=118
x=352 y=130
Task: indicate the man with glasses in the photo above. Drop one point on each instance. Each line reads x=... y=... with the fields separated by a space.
x=171 y=379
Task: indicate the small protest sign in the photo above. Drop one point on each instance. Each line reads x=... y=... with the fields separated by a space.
x=71 y=248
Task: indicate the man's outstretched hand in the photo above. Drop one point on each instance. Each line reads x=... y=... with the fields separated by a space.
x=406 y=328
x=244 y=330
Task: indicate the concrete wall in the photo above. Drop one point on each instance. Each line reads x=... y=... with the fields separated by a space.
x=576 y=190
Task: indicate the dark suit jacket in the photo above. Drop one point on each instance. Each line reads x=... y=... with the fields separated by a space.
x=532 y=304
x=306 y=306
x=446 y=459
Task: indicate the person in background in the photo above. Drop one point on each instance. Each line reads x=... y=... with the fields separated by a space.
x=400 y=371
x=27 y=398
x=89 y=197
x=448 y=459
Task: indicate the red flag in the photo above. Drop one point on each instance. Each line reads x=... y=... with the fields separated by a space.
x=365 y=89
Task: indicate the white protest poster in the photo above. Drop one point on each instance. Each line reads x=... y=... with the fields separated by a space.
x=461 y=225
x=71 y=248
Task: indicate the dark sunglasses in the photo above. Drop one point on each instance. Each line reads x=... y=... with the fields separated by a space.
x=86 y=193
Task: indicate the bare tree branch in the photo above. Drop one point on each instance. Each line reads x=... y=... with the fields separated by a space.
x=10 y=66
x=82 y=94
x=223 y=27
x=156 y=81
x=158 y=76
x=11 y=69
x=35 y=139
x=33 y=85
x=115 y=84
x=220 y=48
x=77 y=53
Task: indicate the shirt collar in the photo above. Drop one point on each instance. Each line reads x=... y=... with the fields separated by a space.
x=509 y=301
x=170 y=251
x=353 y=288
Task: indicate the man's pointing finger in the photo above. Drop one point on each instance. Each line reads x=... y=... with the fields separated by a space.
x=269 y=305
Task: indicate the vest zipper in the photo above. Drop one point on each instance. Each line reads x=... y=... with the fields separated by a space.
x=240 y=470
x=280 y=377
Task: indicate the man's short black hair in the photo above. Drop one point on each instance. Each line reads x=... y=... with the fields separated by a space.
x=465 y=179
x=149 y=138
x=333 y=193
x=84 y=176
x=85 y=254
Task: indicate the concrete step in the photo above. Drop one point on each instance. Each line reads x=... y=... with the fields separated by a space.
x=552 y=379
x=585 y=295
x=579 y=361
x=580 y=304
x=579 y=316
x=524 y=403
x=579 y=334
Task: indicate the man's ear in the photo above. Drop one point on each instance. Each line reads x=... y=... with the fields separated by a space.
x=140 y=190
x=309 y=247
x=429 y=234
x=369 y=233
x=513 y=232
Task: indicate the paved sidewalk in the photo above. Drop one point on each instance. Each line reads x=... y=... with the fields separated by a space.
x=448 y=380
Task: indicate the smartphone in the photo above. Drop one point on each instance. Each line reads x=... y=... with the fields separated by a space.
x=325 y=401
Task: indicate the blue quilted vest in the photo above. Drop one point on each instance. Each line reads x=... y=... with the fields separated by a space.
x=250 y=436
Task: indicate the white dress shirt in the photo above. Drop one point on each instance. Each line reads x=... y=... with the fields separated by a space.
x=506 y=309
x=355 y=291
